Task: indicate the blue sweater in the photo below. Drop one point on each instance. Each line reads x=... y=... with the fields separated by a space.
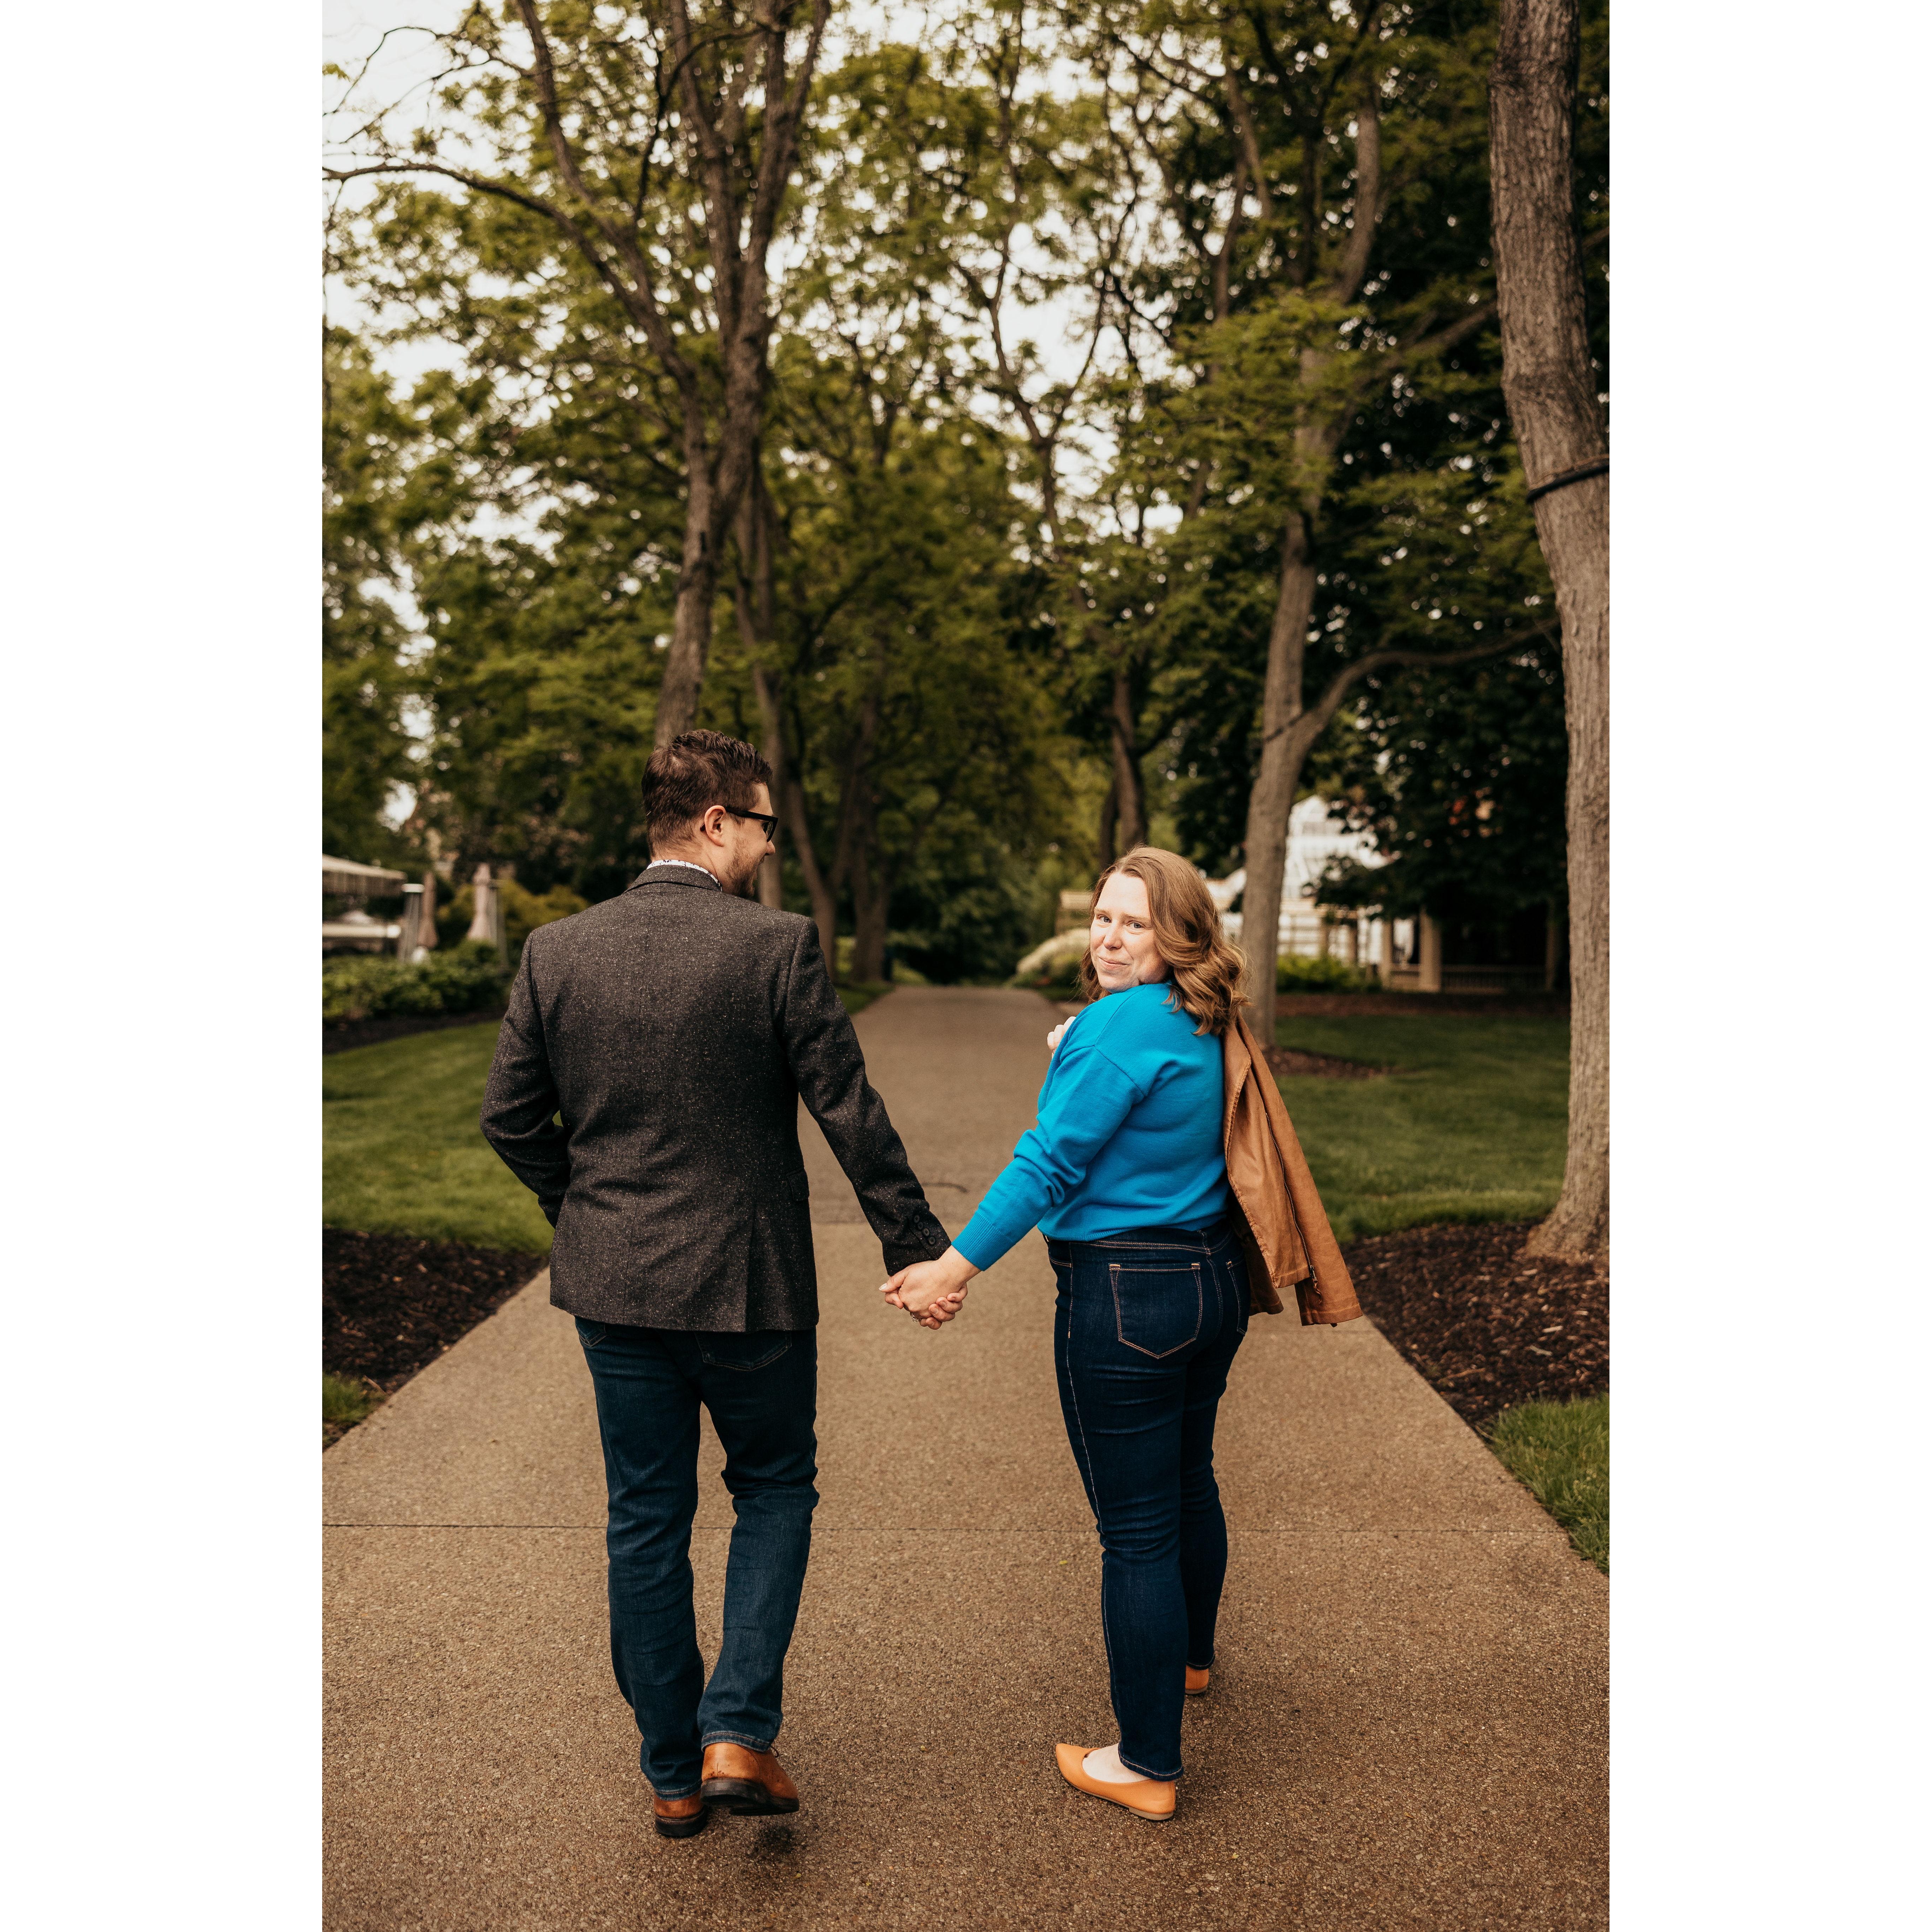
x=1129 y=1134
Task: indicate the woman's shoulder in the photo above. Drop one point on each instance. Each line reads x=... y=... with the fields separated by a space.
x=1138 y=1014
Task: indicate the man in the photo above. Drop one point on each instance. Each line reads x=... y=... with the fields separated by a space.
x=646 y=1088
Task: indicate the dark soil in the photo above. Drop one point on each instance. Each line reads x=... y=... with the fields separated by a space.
x=1291 y=1060
x=1482 y=1325
x=390 y=1303
x=339 y=1036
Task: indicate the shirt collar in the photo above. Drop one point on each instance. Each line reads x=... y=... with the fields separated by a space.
x=709 y=877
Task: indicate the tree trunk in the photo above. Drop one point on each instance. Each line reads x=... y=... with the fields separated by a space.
x=697 y=587
x=858 y=839
x=859 y=853
x=1106 y=849
x=1284 y=750
x=824 y=901
x=788 y=802
x=1551 y=391
x=755 y=600
x=872 y=899
x=1130 y=816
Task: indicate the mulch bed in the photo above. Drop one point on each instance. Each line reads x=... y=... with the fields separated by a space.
x=339 y=1036
x=390 y=1303
x=1291 y=1060
x=1484 y=1326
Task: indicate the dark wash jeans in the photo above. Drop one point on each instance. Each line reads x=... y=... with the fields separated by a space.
x=1145 y=1331
x=762 y=1390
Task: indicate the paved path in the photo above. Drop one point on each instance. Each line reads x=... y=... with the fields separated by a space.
x=1407 y=1723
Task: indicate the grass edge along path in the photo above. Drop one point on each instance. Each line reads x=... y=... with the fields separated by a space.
x=346 y=1401
x=1560 y=1452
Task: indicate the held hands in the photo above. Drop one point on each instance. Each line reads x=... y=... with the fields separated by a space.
x=932 y=1292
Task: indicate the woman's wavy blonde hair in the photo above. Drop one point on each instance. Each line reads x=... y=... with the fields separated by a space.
x=1206 y=969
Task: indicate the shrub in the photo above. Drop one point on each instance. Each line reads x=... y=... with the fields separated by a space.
x=461 y=980
x=523 y=911
x=1302 y=973
x=1053 y=966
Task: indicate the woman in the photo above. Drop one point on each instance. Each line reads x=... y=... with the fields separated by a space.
x=1125 y=1175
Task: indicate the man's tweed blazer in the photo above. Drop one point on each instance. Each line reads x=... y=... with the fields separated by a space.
x=646 y=1088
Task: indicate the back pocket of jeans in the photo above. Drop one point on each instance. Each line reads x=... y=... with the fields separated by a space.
x=757 y=1350
x=1157 y=1310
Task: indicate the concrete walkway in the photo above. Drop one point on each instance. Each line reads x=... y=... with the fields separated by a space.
x=1407 y=1725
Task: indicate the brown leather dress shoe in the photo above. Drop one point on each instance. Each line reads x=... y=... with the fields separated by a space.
x=1147 y=1798
x=679 y=1817
x=751 y=1784
x=1197 y=1682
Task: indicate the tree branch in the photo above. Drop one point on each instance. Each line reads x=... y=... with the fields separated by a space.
x=1354 y=268
x=1315 y=720
x=639 y=300
x=1244 y=126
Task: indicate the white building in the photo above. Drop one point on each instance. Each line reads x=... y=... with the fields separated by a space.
x=1315 y=836
x=1406 y=954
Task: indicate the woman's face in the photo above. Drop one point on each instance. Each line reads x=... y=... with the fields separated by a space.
x=1121 y=939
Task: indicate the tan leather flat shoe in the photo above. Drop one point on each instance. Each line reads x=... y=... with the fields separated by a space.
x=1149 y=1797
x=749 y=1784
x=679 y=1817
x=1197 y=1682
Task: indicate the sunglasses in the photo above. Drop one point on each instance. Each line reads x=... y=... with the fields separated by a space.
x=768 y=819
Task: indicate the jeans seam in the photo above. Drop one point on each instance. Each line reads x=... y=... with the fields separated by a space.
x=670 y=1797
x=1073 y=1396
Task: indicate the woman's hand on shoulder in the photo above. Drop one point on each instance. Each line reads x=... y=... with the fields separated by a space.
x=1053 y=1038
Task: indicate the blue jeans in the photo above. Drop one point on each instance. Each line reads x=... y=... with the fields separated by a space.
x=761 y=1389
x=1144 y=1332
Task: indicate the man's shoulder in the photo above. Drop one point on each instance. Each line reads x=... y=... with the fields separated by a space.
x=744 y=921
x=750 y=922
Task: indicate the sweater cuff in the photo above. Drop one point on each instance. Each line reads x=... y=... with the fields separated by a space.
x=986 y=1240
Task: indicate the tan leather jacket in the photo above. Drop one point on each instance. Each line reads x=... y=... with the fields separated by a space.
x=1277 y=1214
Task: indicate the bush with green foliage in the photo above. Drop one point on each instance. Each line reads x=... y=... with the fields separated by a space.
x=1302 y=973
x=464 y=979
x=523 y=911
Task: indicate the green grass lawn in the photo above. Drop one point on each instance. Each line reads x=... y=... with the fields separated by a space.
x=401 y=1152
x=1560 y=1452
x=1471 y=1128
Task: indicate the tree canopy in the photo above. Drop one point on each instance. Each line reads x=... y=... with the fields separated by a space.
x=1127 y=402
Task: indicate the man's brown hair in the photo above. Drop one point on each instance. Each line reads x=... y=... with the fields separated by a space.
x=697 y=770
x=1206 y=969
